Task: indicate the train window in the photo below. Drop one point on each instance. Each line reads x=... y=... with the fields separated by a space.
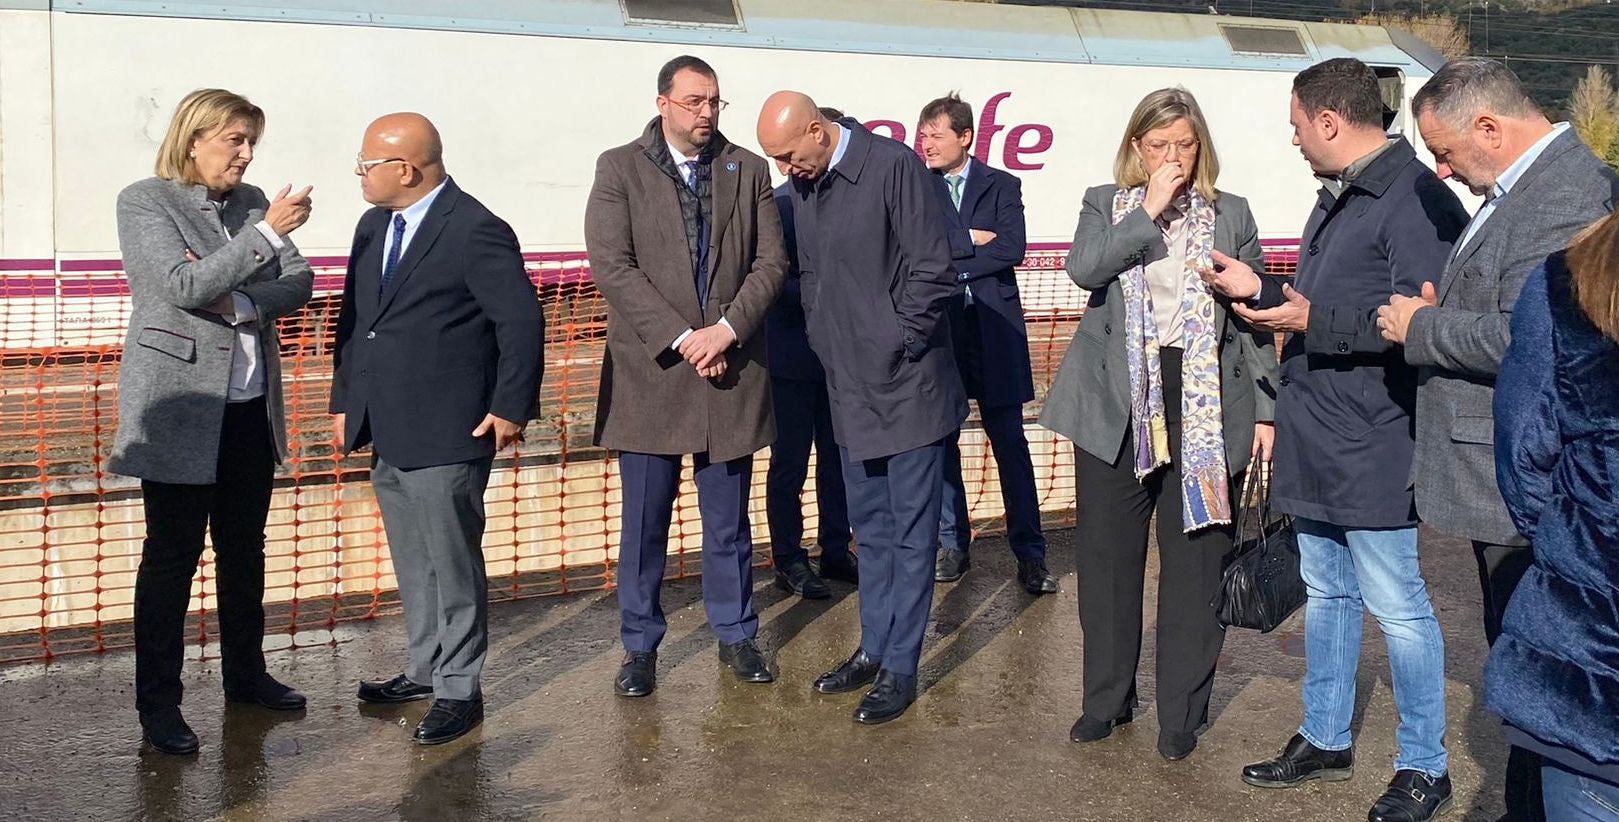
x=1264 y=40
x=1391 y=85
x=721 y=13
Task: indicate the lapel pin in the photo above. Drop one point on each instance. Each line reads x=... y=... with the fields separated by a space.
x=730 y=166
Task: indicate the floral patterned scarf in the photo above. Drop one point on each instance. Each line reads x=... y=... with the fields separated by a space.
x=1205 y=497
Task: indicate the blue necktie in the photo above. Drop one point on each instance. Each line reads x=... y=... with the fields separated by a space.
x=393 y=251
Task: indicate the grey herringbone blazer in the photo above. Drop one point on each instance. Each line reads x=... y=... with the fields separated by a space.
x=175 y=375
x=1089 y=402
x=1459 y=344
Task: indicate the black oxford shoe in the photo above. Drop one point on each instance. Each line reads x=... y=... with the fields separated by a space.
x=1088 y=729
x=1412 y=797
x=166 y=731
x=887 y=700
x=797 y=578
x=449 y=719
x=852 y=674
x=950 y=565
x=268 y=693
x=1176 y=745
x=1035 y=578
x=845 y=569
x=747 y=661
x=393 y=691
x=638 y=676
x=1301 y=762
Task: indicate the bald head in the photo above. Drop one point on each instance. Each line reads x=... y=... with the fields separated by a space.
x=414 y=160
x=794 y=134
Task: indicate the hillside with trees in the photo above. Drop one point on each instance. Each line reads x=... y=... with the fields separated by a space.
x=1550 y=44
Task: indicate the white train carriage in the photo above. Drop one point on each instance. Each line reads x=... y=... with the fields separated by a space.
x=528 y=93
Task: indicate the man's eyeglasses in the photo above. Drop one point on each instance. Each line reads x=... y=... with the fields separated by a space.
x=695 y=104
x=363 y=167
x=1163 y=146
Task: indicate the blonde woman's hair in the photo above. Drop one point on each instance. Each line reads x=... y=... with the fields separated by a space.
x=1155 y=111
x=1593 y=264
x=200 y=113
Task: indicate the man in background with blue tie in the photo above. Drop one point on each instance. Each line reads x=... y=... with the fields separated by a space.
x=685 y=245
x=438 y=361
x=982 y=211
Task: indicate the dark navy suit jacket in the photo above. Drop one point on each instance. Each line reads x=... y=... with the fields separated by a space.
x=791 y=357
x=994 y=356
x=458 y=334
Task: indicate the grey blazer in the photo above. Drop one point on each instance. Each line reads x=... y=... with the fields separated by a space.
x=1459 y=345
x=175 y=375
x=1089 y=402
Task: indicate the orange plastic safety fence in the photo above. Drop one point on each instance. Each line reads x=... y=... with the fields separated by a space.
x=70 y=532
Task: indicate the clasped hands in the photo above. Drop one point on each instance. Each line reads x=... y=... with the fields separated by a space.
x=705 y=349
x=1394 y=319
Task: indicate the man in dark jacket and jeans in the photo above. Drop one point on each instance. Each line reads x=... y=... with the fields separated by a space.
x=1383 y=223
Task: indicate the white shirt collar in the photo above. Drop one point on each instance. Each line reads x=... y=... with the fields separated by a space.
x=1514 y=172
x=964 y=170
x=417 y=210
x=843 y=146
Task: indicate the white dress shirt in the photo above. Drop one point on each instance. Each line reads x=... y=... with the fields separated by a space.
x=246 y=369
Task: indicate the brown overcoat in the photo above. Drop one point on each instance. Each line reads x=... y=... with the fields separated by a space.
x=651 y=400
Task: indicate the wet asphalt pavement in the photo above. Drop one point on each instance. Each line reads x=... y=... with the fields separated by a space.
x=987 y=740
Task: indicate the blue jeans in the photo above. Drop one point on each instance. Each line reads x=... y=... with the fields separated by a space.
x=1345 y=570
x=1573 y=797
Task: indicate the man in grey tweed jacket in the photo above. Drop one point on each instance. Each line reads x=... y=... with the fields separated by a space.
x=1541 y=187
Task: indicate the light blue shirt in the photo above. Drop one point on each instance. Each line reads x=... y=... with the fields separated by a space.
x=843 y=146
x=413 y=220
x=962 y=275
x=1504 y=183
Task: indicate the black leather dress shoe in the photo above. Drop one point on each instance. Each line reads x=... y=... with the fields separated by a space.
x=166 y=731
x=1035 y=578
x=393 y=691
x=449 y=719
x=950 y=565
x=268 y=693
x=747 y=661
x=886 y=700
x=1412 y=797
x=1301 y=762
x=1088 y=729
x=1176 y=745
x=638 y=676
x=844 y=569
x=797 y=578
x=852 y=674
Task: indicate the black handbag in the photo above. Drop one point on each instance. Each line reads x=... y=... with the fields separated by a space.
x=1261 y=587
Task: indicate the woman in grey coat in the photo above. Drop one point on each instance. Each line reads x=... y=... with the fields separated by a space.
x=200 y=417
x=1166 y=396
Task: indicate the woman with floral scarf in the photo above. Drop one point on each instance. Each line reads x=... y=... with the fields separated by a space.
x=1167 y=397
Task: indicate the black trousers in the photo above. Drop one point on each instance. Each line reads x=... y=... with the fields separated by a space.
x=234 y=509
x=1499 y=569
x=1114 y=513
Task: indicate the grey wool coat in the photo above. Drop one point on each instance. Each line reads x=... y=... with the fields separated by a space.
x=175 y=376
x=1458 y=346
x=651 y=400
x=1089 y=402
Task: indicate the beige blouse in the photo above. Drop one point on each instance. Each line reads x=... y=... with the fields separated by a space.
x=1166 y=279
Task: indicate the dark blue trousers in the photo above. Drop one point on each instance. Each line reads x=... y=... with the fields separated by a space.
x=804 y=417
x=894 y=507
x=651 y=482
x=1003 y=425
